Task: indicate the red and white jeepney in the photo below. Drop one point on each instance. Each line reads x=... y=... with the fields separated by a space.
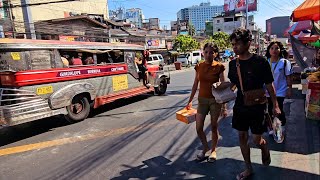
x=38 y=80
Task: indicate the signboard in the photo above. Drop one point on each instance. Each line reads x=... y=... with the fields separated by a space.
x=120 y=82
x=153 y=43
x=239 y=5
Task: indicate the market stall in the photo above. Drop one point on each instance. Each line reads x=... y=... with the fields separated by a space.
x=305 y=40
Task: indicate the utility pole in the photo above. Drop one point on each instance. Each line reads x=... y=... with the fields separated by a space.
x=247 y=17
x=11 y=19
x=28 y=23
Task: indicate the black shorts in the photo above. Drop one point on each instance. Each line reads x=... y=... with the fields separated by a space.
x=245 y=117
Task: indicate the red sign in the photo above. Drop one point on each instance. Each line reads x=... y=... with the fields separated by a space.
x=239 y=5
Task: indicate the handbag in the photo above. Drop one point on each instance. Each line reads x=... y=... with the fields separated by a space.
x=251 y=97
x=222 y=92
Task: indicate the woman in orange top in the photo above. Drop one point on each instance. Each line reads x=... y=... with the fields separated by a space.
x=207 y=73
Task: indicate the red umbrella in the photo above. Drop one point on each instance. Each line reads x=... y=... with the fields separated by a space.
x=308 y=10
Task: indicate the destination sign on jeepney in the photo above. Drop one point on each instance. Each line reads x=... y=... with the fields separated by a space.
x=90 y=71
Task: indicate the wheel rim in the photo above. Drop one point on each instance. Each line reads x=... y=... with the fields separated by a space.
x=162 y=86
x=77 y=107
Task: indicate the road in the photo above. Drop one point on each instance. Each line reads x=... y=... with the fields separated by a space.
x=139 y=138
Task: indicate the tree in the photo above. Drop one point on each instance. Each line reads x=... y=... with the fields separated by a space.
x=191 y=30
x=185 y=43
x=221 y=39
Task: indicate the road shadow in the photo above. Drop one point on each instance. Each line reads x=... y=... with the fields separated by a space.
x=162 y=168
x=26 y=130
x=82 y=164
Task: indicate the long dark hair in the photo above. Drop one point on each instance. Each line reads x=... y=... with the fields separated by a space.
x=283 y=52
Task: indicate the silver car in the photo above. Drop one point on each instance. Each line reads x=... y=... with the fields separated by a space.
x=183 y=59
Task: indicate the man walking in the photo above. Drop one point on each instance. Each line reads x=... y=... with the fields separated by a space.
x=255 y=74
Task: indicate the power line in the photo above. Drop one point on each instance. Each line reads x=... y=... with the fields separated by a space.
x=40 y=3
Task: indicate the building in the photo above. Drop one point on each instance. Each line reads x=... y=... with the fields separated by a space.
x=199 y=14
x=228 y=23
x=154 y=23
x=118 y=14
x=59 y=10
x=276 y=26
x=6 y=29
x=135 y=16
x=80 y=28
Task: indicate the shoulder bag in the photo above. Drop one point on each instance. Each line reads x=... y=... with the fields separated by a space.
x=251 y=97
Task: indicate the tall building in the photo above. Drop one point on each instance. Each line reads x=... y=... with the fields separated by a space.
x=135 y=16
x=277 y=26
x=199 y=14
x=118 y=14
x=60 y=10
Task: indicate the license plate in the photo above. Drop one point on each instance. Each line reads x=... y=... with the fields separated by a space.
x=44 y=90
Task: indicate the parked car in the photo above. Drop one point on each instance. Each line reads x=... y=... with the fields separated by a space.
x=194 y=57
x=155 y=59
x=183 y=59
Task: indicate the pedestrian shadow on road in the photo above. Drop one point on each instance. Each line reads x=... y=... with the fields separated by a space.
x=162 y=168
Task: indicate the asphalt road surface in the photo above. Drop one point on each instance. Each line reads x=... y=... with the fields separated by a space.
x=139 y=138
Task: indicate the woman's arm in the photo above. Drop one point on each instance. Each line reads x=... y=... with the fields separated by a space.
x=193 y=91
x=224 y=105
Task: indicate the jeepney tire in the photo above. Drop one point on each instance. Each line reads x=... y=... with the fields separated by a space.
x=73 y=117
x=162 y=88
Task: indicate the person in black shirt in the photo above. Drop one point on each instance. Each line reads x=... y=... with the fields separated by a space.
x=256 y=74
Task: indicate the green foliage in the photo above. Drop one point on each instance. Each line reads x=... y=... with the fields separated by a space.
x=185 y=43
x=192 y=30
x=221 y=39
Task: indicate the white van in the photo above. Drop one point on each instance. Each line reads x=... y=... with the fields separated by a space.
x=194 y=57
x=155 y=59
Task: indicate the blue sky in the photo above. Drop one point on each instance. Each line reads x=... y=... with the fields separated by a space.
x=166 y=10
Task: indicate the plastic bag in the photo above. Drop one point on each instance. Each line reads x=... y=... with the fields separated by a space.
x=223 y=93
x=277 y=130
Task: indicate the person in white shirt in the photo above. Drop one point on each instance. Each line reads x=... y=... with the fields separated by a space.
x=281 y=69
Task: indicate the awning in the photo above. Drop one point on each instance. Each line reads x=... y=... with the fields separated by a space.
x=308 y=10
x=297 y=27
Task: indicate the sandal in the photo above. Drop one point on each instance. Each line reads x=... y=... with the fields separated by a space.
x=201 y=156
x=266 y=159
x=212 y=157
x=242 y=175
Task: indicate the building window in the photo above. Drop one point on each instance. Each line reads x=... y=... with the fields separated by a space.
x=218 y=21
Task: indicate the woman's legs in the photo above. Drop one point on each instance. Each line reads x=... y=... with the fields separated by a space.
x=202 y=136
x=214 y=129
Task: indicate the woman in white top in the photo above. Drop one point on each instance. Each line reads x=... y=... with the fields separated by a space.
x=281 y=69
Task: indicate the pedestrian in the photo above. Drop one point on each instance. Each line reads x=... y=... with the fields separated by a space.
x=256 y=73
x=281 y=70
x=207 y=73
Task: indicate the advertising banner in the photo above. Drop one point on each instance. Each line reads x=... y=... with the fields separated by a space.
x=239 y=5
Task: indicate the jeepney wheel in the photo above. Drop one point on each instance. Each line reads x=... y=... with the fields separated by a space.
x=78 y=110
x=162 y=88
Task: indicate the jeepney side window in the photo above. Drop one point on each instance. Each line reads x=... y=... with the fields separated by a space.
x=117 y=56
x=103 y=58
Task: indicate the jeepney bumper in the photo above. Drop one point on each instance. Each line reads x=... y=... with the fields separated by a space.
x=20 y=106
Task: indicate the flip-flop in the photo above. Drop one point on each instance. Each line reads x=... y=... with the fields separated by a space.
x=201 y=156
x=212 y=157
x=243 y=177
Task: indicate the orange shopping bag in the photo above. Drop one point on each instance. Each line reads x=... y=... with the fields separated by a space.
x=186 y=116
